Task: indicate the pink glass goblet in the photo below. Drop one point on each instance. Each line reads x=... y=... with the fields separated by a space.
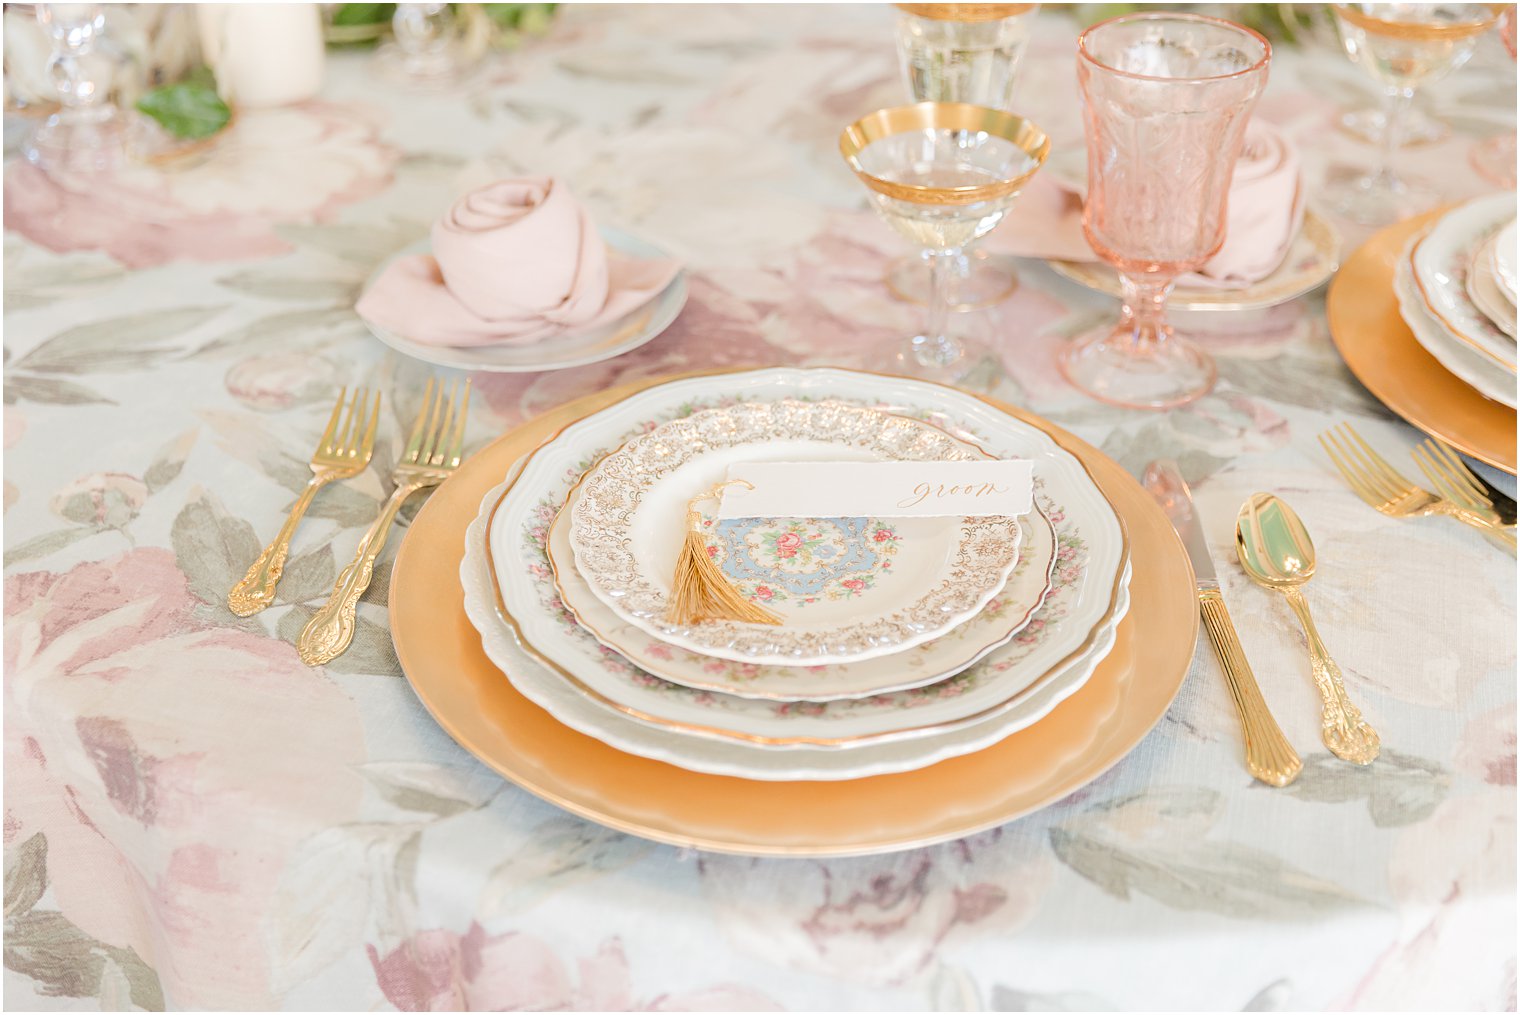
x=1166 y=102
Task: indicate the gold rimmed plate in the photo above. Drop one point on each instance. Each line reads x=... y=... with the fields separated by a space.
x=1382 y=352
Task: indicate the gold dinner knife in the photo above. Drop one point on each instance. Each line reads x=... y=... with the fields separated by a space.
x=1269 y=756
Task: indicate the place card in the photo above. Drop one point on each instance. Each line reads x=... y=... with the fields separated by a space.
x=877 y=489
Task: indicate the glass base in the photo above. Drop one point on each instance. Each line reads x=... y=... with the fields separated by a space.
x=1377 y=201
x=1367 y=125
x=989 y=280
x=438 y=69
x=64 y=145
x=1106 y=364
x=947 y=360
x=1494 y=159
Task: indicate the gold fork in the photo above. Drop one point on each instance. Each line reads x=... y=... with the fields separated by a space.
x=432 y=453
x=1455 y=481
x=1380 y=484
x=342 y=453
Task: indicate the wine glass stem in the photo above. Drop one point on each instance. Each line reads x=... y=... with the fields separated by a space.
x=1143 y=316
x=941 y=265
x=1397 y=115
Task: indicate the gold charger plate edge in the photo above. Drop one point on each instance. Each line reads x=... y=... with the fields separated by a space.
x=1380 y=350
x=1158 y=667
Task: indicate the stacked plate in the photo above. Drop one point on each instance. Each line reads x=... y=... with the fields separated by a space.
x=1456 y=285
x=903 y=642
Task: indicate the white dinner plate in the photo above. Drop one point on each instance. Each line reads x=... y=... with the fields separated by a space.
x=1082 y=603
x=570 y=349
x=1001 y=619
x=1441 y=261
x=863 y=600
x=1505 y=258
x=1482 y=374
x=1484 y=290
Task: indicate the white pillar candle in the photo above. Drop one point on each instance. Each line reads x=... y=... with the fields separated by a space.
x=263 y=54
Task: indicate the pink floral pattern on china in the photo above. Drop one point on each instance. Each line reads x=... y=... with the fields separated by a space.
x=804 y=560
x=1071 y=561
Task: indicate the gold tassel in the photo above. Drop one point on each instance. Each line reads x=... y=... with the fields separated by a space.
x=700 y=591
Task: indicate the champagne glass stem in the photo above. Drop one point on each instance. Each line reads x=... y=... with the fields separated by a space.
x=937 y=348
x=1397 y=106
x=1143 y=316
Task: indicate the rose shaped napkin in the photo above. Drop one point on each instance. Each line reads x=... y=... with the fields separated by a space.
x=515 y=262
x=1265 y=213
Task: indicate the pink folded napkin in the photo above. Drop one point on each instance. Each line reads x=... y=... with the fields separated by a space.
x=1265 y=213
x=515 y=262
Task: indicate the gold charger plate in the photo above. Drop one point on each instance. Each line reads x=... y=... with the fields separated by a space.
x=1382 y=352
x=441 y=654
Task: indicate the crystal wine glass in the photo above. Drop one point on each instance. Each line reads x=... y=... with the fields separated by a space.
x=87 y=134
x=943 y=174
x=961 y=53
x=1166 y=101
x=1403 y=46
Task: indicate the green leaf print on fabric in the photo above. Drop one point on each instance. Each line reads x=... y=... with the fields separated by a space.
x=1400 y=790
x=130 y=342
x=294 y=287
x=370 y=653
x=561 y=852
x=169 y=461
x=212 y=547
x=48 y=542
x=62 y=959
x=1156 y=844
x=308 y=576
x=50 y=391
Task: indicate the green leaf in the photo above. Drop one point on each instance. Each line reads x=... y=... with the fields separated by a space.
x=308 y=576
x=117 y=343
x=45 y=544
x=1404 y=790
x=26 y=878
x=186 y=110
x=66 y=962
x=363 y=14
x=287 y=328
x=439 y=790
x=294 y=287
x=169 y=461
x=213 y=548
x=51 y=391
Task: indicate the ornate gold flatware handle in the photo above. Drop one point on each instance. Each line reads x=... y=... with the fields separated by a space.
x=328 y=634
x=1344 y=731
x=1269 y=756
x=256 y=590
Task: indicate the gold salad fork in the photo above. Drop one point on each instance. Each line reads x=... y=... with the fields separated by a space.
x=432 y=453
x=1382 y=486
x=343 y=452
x=1456 y=482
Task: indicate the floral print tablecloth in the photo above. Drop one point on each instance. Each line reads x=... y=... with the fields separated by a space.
x=192 y=818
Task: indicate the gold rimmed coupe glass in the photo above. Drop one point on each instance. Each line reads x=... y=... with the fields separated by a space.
x=961 y=53
x=1402 y=46
x=943 y=174
x=1166 y=100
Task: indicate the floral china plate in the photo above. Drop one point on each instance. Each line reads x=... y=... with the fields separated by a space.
x=570 y=349
x=846 y=589
x=1481 y=373
x=935 y=660
x=1484 y=290
x=1086 y=598
x=1505 y=267
x=1440 y=263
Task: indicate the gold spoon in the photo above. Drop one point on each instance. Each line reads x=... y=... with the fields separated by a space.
x=1276 y=552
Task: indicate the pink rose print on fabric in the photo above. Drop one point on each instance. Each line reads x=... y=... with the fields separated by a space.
x=173 y=766
x=439 y=970
x=297 y=164
x=878 y=919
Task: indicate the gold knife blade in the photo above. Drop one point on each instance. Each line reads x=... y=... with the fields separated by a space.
x=1269 y=756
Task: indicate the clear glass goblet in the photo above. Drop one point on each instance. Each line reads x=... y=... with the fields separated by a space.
x=961 y=53
x=943 y=174
x=1402 y=46
x=87 y=135
x=1166 y=101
